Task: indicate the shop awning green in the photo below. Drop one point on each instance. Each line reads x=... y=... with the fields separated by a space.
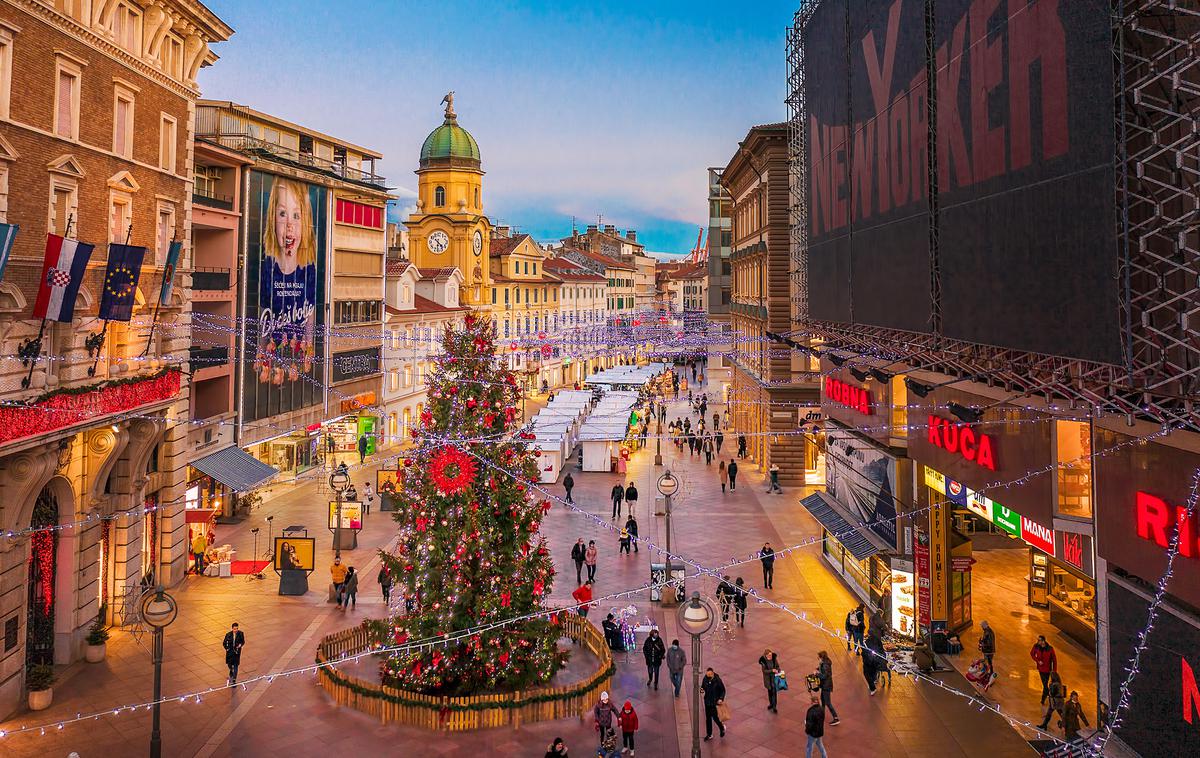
x=235 y=468
x=856 y=539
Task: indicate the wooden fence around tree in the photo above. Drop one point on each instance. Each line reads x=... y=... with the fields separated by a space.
x=456 y=714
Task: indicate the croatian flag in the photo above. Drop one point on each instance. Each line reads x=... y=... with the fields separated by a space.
x=8 y=235
x=62 y=273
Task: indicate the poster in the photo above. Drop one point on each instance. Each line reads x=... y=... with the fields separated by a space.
x=351 y=514
x=285 y=297
x=387 y=480
x=295 y=553
x=921 y=559
x=903 y=602
x=939 y=558
x=863 y=479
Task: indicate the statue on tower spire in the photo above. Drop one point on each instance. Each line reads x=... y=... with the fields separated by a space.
x=448 y=100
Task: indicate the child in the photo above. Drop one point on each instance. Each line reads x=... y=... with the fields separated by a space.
x=628 y=719
x=625 y=539
x=608 y=745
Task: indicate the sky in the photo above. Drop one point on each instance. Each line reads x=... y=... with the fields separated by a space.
x=606 y=108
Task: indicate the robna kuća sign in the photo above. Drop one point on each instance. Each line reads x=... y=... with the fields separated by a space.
x=962 y=440
x=849 y=395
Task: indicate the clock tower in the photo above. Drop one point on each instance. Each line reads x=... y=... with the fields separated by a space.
x=448 y=227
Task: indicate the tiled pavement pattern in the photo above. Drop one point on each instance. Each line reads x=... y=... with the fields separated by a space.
x=291 y=716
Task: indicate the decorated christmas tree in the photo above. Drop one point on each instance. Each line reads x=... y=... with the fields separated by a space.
x=470 y=552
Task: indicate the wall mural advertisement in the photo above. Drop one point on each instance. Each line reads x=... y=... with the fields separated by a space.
x=285 y=302
x=862 y=478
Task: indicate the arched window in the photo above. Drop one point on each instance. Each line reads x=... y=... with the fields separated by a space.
x=476 y=197
x=439 y=197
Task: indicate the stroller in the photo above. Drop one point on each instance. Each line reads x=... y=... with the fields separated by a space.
x=978 y=674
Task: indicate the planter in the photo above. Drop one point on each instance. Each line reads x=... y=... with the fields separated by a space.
x=94 y=653
x=39 y=700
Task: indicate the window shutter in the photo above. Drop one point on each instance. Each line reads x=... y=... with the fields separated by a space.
x=66 y=93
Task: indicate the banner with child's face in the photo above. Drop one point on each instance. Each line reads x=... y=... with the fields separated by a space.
x=285 y=296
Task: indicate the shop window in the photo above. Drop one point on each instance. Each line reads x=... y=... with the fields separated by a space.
x=1073 y=441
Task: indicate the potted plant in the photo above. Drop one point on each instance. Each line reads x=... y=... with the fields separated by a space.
x=39 y=680
x=95 y=647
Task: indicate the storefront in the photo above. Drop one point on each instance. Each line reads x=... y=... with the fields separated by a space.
x=857 y=555
x=216 y=480
x=292 y=454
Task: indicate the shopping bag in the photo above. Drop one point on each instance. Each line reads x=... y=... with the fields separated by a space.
x=723 y=712
x=814 y=682
x=781 y=681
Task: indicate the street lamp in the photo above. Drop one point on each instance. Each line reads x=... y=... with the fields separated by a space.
x=158 y=610
x=696 y=617
x=658 y=442
x=339 y=480
x=668 y=485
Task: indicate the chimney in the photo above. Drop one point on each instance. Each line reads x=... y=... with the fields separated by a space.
x=592 y=228
x=610 y=229
x=631 y=235
x=503 y=231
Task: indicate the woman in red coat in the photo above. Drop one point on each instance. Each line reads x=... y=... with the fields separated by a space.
x=629 y=724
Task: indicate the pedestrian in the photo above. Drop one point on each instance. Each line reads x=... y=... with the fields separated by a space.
x=362 y=448
x=199 y=545
x=691 y=439
x=855 y=625
x=769 y=663
x=631 y=526
x=385 y=583
x=628 y=719
x=589 y=559
x=987 y=646
x=708 y=450
x=720 y=438
x=875 y=643
x=713 y=690
x=716 y=421
x=1071 y=716
x=605 y=714
x=368 y=498
x=767 y=556
x=578 y=552
x=723 y=476
x=623 y=540
x=557 y=749
x=741 y=446
x=1044 y=657
x=631 y=496
x=825 y=675
x=612 y=633
x=583 y=596
x=814 y=727
x=725 y=597
x=618 y=495
x=350 y=589
x=1057 y=697
x=569 y=484
x=233 y=643
x=676 y=660
x=733 y=468
x=338 y=573
x=739 y=601
x=608 y=744
x=774 y=471
x=351 y=493
x=654 y=651
x=870 y=662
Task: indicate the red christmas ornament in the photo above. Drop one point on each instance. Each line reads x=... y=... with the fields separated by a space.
x=451 y=470
x=538 y=587
x=546 y=506
x=505 y=599
x=504 y=658
x=422 y=522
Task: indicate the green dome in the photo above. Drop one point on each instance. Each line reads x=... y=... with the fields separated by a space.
x=450 y=141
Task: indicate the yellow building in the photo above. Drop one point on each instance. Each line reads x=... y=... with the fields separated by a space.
x=448 y=227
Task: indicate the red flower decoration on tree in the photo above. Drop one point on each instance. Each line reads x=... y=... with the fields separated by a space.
x=451 y=471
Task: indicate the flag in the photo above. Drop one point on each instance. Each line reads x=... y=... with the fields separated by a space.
x=120 y=281
x=62 y=273
x=168 y=281
x=8 y=235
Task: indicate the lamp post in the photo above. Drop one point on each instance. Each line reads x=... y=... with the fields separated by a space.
x=158 y=610
x=696 y=617
x=668 y=485
x=339 y=480
x=658 y=442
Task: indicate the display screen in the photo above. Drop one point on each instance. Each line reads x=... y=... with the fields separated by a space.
x=904 y=603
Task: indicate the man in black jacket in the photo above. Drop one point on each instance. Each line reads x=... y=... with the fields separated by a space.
x=569 y=484
x=654 y=651
x=631 y=495
x=714 y=694
x=618 y=494
x=233 y=643
x=767 y=556
x=631 y=526
x=814 y=726
x=732 y=471
x=578 y=551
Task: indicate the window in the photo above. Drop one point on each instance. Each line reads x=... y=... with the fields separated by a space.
x=407 y=374
x=535 y=268
x=1074 y=443
x=165 y=232
x=439 y=197
x=394 y=380
x=517 y=293
x=127 y=28
x=476 y=197
x=507 y=330
x=172 y=56
x=207 y=180
x=64 y=202
x=535 y=294
x=120 y=217
x=516 y=267
x=6 y=63
x=356 y=311
x=359 y=214
x=166 y=143
x=493 y=295
x=506 y=295
x=66 y=106
x=526 y=267
x=123 y=122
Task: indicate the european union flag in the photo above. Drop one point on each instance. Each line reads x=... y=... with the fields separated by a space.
x=120 y=281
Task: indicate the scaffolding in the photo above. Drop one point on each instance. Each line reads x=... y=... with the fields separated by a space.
x=1157 y=196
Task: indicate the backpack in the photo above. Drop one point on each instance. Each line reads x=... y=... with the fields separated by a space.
x=853 y=619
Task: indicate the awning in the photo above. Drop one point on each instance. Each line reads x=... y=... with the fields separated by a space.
x=858 y=541
x=199 y=515
x=235 y=468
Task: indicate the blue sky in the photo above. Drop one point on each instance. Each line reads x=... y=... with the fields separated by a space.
x=580 y=109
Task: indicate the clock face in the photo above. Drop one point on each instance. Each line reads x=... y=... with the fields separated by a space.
x=437 y=242
x=477 y=242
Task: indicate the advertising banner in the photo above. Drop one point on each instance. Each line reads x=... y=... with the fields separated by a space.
x=903 y=602
x=351 y=514
x=862 y=478
x=924 y=597
x=939 y=562
x=285 y=300
x=295 y=553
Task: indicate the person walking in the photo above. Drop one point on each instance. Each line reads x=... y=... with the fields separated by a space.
x=739 y=601
x=350 y=589
x=654 y=652
x=716 y=421
x=557 y=749
x=1046 y=660
x=733 y=469
x=605 y=715
x=337 y=572
x=631 y=526
x=1071 y=716
x=855 y=626
x=1057 y=698
x=814 y=727
x=568 y=485
x=612 y=633
x=362 y=448
x=774 y=486
x=825 y=675
x=725 y=597
x=676 y=661
x=708 y=450
x=767 y=557
x=583 y=596
x=628 y=719
x=589 y=559
x=871 y=658
x=723 y=476
x=769 y=663
x=368 y=498
x=987 y=646
x=199 y=545
x=719 y=438
x=631 y=497
x=623 y=540
x=233 y=643
x=741 y=446
x=713 y=690
x=386 y=582
x=618 y=495
x=578 y=552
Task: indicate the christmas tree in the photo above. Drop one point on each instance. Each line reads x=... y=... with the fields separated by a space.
x=470 y=552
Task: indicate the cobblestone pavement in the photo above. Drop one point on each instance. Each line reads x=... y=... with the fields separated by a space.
x=291 y=716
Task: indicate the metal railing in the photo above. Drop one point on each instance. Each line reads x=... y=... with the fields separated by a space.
x=213 y=200
x=210 y=279
x=248 y=144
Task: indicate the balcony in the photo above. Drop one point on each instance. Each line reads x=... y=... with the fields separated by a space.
x=207 y=357
x=245 y=143
x=210 y=279
x=213 y=200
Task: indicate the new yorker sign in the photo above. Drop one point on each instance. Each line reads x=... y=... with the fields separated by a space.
x=962 y=440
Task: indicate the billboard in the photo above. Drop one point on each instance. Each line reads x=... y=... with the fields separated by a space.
x=1024 y=144
x=351 y=514
x=295 y=553
x=863 y=479
x=285 y=296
